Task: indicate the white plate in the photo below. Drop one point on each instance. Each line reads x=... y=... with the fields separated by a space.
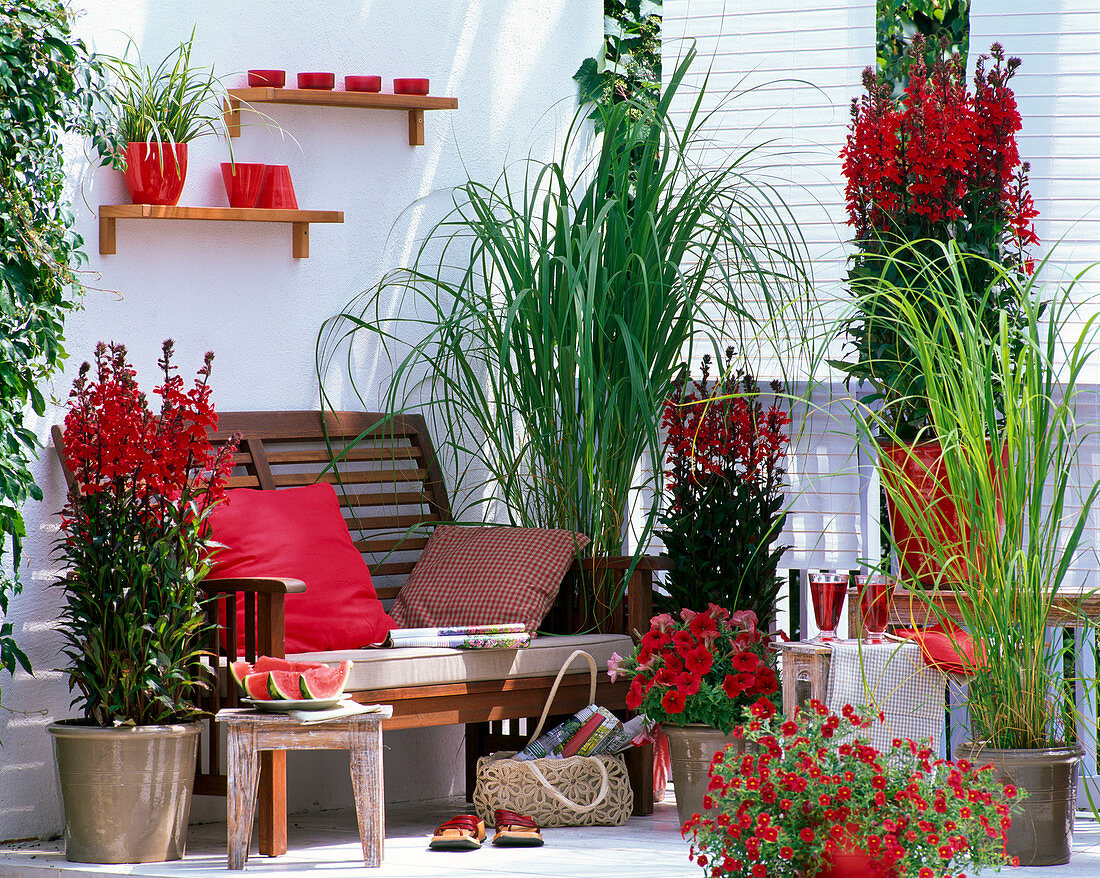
x=286 y=706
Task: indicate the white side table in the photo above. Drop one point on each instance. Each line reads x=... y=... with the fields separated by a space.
x=248 y=732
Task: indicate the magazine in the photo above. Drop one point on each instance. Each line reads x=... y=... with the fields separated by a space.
x=452 y=639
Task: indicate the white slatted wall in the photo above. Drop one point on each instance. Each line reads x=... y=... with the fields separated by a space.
x=781 y=75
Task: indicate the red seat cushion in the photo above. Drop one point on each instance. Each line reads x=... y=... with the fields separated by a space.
x=486 y=576
x=301 y=533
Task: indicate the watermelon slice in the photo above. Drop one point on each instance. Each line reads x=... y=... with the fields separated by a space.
x=325 y=682
x=284 y=685
x=256 y=685
x=240 y=670
x=268 y=663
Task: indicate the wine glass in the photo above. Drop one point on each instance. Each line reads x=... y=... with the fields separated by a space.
x=827 y=591
x=875 y=592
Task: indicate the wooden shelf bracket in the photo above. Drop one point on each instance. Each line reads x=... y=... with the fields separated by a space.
x=414 y=105
x=298 y=220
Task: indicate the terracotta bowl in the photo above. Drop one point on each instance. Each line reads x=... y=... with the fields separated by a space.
x=266 y=78
x=363 y=83
x=410 y=86
x=323 y=81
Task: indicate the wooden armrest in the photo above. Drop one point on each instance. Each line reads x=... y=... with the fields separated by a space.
x=621 y=562
x=261 y=584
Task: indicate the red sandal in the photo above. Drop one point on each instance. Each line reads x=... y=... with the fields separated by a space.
x=516 y=830
x=462 y=833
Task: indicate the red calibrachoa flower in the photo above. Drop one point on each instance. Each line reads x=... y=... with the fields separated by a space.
x=726 y=452
x=834 y=781
x=709 y=667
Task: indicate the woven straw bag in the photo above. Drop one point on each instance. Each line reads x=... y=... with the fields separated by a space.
x=575 y=791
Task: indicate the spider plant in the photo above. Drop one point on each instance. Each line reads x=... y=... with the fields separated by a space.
x=545 y=317
x=174 y=102
x=1021 y=523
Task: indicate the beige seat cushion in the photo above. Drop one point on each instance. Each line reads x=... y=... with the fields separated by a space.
x=396 y=668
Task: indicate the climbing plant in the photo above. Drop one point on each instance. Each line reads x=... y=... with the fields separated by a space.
x=630 y=69
x=48 y=86
x=945 y=25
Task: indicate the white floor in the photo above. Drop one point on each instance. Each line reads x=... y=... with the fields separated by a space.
x=327 y=844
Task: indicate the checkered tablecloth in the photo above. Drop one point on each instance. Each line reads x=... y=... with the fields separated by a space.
x=891 y=678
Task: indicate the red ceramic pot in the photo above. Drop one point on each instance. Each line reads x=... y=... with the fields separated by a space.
x=242 y=182
x=848 y=859
x=266 y=78
x=277 y=190
x=363 y=83
x=410 y=86
x=918 y=472
x=155 y=172
x=324 y=81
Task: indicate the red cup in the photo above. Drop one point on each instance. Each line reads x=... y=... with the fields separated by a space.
x=266 y=78
x=827 y=591
x=242 y=182
x=323 y=81
x=363 y=83
x=410 y=86
x=874 y=606
x=277 y=191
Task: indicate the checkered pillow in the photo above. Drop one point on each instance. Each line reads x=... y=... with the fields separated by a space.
x=486 y=576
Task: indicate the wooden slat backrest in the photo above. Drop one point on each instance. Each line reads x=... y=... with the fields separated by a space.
x=389 y=482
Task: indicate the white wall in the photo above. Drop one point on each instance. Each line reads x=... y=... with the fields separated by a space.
x=781 y=76
x=235 y=289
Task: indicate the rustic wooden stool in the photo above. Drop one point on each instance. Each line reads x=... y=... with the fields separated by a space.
x=248 y=732
x=805 y=673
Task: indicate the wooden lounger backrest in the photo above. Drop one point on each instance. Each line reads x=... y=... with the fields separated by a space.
x=389 y=483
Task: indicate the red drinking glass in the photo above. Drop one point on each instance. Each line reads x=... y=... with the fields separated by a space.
x=827 y=591
x=874 y=606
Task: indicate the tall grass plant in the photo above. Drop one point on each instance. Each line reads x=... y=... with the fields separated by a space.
x=1022 y=522
x=544 y=319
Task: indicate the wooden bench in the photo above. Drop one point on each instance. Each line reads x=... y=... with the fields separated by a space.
x=392 y=492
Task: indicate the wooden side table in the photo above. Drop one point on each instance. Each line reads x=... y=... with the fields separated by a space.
x=248 y=732
x=805 y=673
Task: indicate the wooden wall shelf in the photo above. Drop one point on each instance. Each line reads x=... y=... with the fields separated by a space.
x=414 y=105
x=298 y=219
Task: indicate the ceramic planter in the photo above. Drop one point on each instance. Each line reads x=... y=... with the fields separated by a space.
x=851 y=860
x=919 y=471
x=155 y=172
x=125 y=792
x=1040 y=835
x=691 y=749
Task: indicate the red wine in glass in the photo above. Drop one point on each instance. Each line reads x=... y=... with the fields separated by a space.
x=874 y=607
x=827 y=592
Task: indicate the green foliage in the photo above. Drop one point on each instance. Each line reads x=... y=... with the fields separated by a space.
x=722 y=546
x=47 y=83
x=1020 y=530
x=944 y=23
x=133 y=616
x=174 y=102
x=545 y=318
x=630 y=70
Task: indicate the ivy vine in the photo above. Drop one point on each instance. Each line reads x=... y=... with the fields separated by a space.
x=48 y=86
x=630 y=69
x=945 y=24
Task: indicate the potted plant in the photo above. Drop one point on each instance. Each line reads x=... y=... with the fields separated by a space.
x=157 y=112
x=698 y=676
x=1019 y=530
x=938 y=167
x=812 y=798
x=134 y=551
x=725 y=455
